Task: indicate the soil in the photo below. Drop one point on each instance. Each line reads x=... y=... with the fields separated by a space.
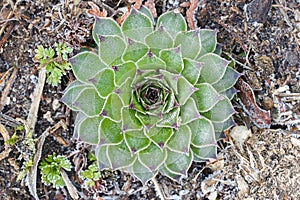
x=261 y=162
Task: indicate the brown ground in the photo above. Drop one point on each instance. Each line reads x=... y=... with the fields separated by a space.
x=264 y=40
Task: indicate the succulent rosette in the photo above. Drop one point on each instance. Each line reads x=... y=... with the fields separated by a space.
x=151 y=98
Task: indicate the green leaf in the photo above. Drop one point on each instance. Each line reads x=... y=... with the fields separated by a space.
x=228 y=80
x=173 y=22
x=190 y=43
x=171 y=79
x=173 y=59
x=137 y=25
x=102 y=158
x=123 y=71
x=120 y=156
x=136 y=141
x=229 y=93
x=85 y=65
x=111 y=48
x=203 y=153
x=221 y=111
x=189 y=111
x=134 y=51
x=151 y=61
x=170 y=119
x=130 y=121
x=158 y=40
x=160 y=136
x=179 y=163
x=191 y=70
x=110 y=132
x=181 y=140
x=206 y=97
x=202 y=132
x=112 y=107
x=147 y=120
x=165 y=171
x=222 y=126
x=147 y=12
x=124 y=91
x=152 y=152
x=104 y=82
x=89 y=130
x=141 y=172
x=213 y=68
x=208 y=40
x=185 y=90
x=89 y=102
x=105 y=26
x=71 y=93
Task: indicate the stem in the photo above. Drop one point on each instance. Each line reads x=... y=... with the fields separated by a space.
x=158 y=190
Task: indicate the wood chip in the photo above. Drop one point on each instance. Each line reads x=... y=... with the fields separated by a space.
x=7 y=88
x=6 y=137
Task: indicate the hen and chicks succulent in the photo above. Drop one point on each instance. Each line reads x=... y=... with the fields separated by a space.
x=151 y=98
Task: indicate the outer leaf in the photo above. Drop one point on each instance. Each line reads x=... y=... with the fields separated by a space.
x=191 y=70
x=101 y=155
x=129 y=120
x=173 y=59
x=190 y=43
x=141 y=172
x=79 y=118
x=202 y=132
x=164 y=170
x=208 y=40
x=137 y=25
x=71 y=94
x=189 y=111
x=229 y=93
x=228 y=80
x=185 y=90
x=181 y=140
x=110 y=132
x=134 y=51
x=111 y=48
x=89 y=102
x=203 y=153
x=112 y=107
x=179 y=163
x=159 y=39
x=151 y=61
x=206 y=97
x=221 y=111
x=221 y=126
x=105 y=26
x=104 y=82
x=152 y=152
x=89 y=130
x=119 y=156
x=124 y=71
x=85 y=65
x=147 y=12
x=173 y=22
x=136 y=141
x=213 y=68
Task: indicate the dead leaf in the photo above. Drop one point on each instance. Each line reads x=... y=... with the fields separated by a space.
x=95 y=11
x=259 y=117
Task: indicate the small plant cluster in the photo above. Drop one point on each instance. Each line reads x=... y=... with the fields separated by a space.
x=55 y=61
x=151 y=98
x=50 y=169
x=91 y=174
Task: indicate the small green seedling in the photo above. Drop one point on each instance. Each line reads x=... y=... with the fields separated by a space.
x=91 y=175
x=50 y=169
x=14 y=138
x=55 y=61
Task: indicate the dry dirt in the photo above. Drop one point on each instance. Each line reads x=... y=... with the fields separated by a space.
x=262 y=36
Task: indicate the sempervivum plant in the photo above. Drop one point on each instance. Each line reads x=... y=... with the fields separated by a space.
x=151 y=98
